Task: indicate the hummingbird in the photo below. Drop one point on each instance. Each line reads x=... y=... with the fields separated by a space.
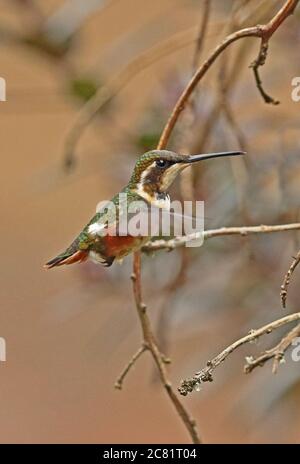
x=153 y=174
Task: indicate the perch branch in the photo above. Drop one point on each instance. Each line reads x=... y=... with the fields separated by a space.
x=264 y=32
x=171 y=290
x=205 y=374
x=242 y=231
x=287 y=279
x=158 y=358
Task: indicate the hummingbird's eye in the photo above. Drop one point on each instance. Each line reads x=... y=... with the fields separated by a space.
x=161 y=163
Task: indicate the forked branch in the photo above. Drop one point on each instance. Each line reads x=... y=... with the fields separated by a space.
x=130 y=364
x=287 y=279
x=243 y=231
x=205 y=374
x=263 y=32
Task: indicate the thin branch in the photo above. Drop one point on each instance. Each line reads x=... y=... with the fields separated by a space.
x=150 y=342
x=183 y=143
x=263 y=32
x=287 y=279
x=205 y=374
x=260 y=61
x=132 y=361
x=276 y=353
x=242 y=231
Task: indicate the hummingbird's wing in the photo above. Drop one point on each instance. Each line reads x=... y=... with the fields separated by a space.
x=97 y=239
x=79 y=249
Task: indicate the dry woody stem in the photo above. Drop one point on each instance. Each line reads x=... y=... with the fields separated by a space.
x=205 y=374
x=287 y=279
x=105 y=93
x=243 y=231
x=276 y=353
x=264 y=32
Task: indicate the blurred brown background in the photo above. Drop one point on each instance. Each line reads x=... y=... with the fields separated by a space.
x=69 y=332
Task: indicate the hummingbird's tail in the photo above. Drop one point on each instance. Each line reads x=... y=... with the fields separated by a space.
x=68 y=257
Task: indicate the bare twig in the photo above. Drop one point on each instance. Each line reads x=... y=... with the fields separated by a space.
x=205 y=374
x=276 y=353
x=202 y=33
x=260 y=61
x=264 y=32
x=287 y=279
x=242 y=231
x=212 y=118
x=150 y=342
x=132 y=361
x=183 y=141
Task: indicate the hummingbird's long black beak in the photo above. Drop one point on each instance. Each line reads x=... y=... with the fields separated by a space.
x=195 y=158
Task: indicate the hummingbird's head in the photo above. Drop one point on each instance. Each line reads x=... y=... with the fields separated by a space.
x=155 y=170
